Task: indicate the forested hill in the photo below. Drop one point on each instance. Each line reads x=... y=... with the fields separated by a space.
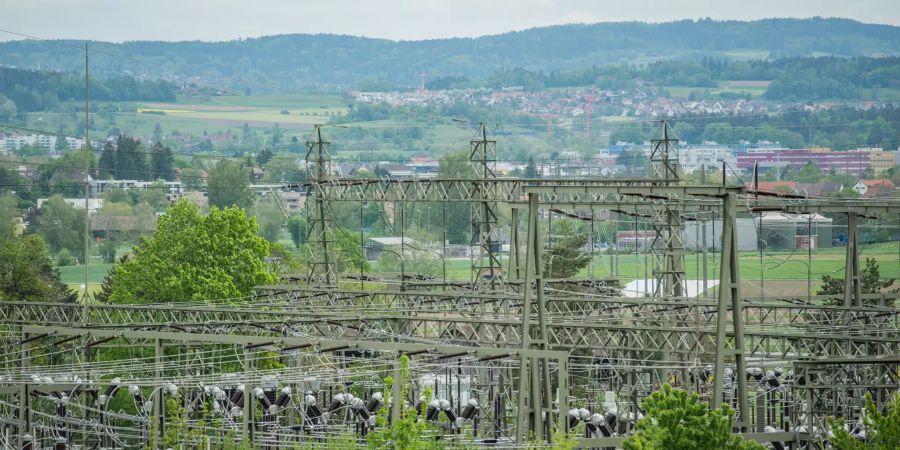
x=38 y=90
x=278 y=63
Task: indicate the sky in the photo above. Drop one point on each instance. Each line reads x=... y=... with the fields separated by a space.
x=216 y=20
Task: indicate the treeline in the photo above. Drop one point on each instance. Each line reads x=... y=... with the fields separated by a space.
x=269 y=63
x=840 y=129
x=41 y=90
x=794 y=79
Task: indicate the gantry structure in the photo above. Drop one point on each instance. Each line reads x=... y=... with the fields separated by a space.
x=510 y=357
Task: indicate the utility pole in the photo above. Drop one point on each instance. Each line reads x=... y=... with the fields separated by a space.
x=87 y=189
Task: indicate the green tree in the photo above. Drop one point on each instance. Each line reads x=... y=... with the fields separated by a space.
x=870 y=282
x=157 y=133
x=228 y=184
x=26 y=272
x=531 y=168
x=131 y=159
x=270 y=220
x=296 y=226
x=107 y=162
x=60 y=226
x=264 y=156
x=678 y=420
x=566 y=255
x=161 y=162
x=194 y=257
x=882 y=430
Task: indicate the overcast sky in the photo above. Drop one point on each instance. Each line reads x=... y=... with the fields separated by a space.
x=172 y=20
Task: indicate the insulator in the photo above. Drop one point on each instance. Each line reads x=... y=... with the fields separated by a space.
x=573 y=418
x=611 y=418
x=433 y=410
x=258 y=392
x=451 y=414
x=584 y=414
x=237 y=398
x=470 y=410
x=171 y=389
x=110 y=390
x=283 y=399
x=375 y=402
x=313 y=411
x=336 y=402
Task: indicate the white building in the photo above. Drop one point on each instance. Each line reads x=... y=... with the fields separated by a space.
x=94 y=204
x=708 y=153
x=173 y=189
x=15 y=142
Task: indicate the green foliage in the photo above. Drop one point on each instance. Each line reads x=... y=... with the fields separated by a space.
x=161 y=161
x=39 y=90
x=65 y=258
x=678 y=420
x=350 y=252
x=194 y=257
x=567 y=254
x=882 y=430
x=869 y=279
x=26 y=273
x=60 y=226
x=228 y=185
x=296 y=226
x=407 y=433
x=270 y=220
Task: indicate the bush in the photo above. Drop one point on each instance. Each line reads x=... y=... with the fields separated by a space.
x=65 y=258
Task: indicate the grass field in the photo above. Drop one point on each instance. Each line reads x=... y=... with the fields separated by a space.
x=195 y=117
x=753 y=88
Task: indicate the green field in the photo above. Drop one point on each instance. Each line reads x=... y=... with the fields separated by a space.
x=195 y=116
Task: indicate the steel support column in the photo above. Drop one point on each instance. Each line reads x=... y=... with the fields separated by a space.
x=730 y=297
x=852 y=285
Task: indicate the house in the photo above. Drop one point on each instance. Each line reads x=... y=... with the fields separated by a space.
x=293 y=201
x=256 y=174
x=818 y=189
x=863 y=186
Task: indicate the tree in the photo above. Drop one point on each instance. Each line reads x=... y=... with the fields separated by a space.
x=26 y=272
x=229 y=185
x=677 y=420
x=161 y=162
x=270 y=220
x=107 y=162
x=193 y=257
x=157 y=133
x=60 y=226
x=566 y=256
x=264 y=156
x=870 y=282
x=131 y=161
x=296 y=226
x=531 y=168
x=882 y=430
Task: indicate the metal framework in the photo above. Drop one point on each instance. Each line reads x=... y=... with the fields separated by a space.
x=304 y=361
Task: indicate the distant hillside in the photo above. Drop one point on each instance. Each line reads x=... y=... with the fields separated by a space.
x=285 y=62
x=40 y=90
